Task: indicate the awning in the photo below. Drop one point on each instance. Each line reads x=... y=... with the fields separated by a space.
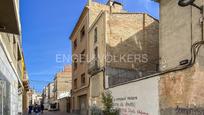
x=9 y=18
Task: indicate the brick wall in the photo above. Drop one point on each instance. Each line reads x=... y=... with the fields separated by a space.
x=134 y=37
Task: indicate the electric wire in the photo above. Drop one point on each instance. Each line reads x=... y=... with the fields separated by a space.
x=195 y=48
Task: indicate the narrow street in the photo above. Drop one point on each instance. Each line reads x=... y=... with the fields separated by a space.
x=102 y=57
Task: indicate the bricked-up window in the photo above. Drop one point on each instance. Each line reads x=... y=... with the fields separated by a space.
x=75 y=43
x=95 y=35
x=83 y=56
x=83 y=79
x=82 y=32
x=96 y=52
x=75 y=64
x=75 y=84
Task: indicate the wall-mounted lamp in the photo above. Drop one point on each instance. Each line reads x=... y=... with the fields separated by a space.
x=184 y=3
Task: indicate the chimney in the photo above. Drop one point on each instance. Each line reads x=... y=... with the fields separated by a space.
x=115 y=5
x=89 y=2
x=110 y=2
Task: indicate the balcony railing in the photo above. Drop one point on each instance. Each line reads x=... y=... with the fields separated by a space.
x=93 y=66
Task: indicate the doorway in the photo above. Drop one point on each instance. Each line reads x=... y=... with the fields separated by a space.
x=83 y=104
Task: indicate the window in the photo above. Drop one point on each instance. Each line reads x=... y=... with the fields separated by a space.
x=83 y=56
x=96 y=52
x=83 y=79
x=82 y=32
x=18 y=54
x=75 y=64
x=75 y=84
x=14 y=47
x=95 y=35
x=75 y=43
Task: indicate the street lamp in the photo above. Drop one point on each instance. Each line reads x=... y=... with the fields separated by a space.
x=184 y=3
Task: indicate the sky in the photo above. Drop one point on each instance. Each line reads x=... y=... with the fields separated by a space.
x=46 y=27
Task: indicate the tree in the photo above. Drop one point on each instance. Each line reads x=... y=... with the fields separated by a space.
x=107 y=101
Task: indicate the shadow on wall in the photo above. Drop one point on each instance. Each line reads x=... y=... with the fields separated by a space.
x=135 y=57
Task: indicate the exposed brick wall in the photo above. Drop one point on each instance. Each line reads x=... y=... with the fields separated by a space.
x=137 y=36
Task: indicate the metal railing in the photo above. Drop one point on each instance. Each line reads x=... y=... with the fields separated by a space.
x=93 y=66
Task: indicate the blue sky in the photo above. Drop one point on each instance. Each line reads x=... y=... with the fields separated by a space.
x=46 y=26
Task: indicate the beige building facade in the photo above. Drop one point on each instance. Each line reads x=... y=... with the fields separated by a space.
x=50 y=93
x=62 y=82
x=62 y=87
x=13 y=75
x=107 y=31
x=176 y=88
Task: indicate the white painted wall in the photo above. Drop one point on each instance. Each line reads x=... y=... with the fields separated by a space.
x=7 y=71
x=145 y=96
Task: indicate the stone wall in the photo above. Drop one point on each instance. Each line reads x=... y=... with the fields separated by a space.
x=182 y=90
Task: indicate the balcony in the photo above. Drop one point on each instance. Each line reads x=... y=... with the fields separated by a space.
x=9 y=13
x=25 y=81
x=93 y=66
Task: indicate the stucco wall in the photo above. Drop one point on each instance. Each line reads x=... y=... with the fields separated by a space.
x=100 y=24
x=180 y=92
x=7 y=73
x=179 y=29
x=137 y=98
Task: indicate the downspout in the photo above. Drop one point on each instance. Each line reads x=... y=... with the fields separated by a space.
x=105 y=51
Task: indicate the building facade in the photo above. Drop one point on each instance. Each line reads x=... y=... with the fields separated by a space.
x=176 y=88
x=107 y=31
x=29 y=97
x=13 y=76
x=50 y=93
x=181 y=90
x=122 y=47
x=62 y=86
x=45 y=97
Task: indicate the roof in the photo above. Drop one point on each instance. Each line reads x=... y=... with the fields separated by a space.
x=139 y=13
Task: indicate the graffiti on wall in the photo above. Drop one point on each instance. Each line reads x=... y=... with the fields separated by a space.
x=128 y=106
x=190 y=111
x=137 y=98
